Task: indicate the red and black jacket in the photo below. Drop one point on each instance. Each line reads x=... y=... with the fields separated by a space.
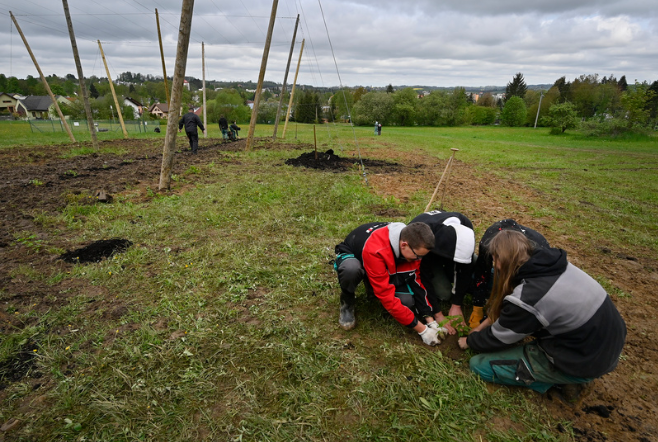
x=377 y=247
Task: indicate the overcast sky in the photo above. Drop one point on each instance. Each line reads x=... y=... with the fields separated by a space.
x=375 y=42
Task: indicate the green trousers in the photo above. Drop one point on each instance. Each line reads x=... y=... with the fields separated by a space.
x=523 y=366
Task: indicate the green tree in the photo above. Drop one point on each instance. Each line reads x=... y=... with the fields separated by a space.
x=373 y=106
x=561 y=116
x=389 y=89
x=514 y=113
x=430 y=108
x=405 y=102
x=516 y=88
x=634 y=102
x=229 y=103
x=343 y=102
x=308 y=109
x=482 y=115
x=93 y=92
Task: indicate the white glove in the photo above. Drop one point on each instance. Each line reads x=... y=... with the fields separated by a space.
x=441 y=331
x=429 y=336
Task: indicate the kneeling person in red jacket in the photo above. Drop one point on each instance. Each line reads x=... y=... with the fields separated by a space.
x=386 y=256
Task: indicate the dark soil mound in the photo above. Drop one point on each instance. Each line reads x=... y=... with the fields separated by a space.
x=330 y=161
x=96 y=251
x=15 y=368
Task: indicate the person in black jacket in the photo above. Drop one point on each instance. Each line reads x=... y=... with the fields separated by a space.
x=483 y=269
x=579 y=334
x=447 y=271
x=234 y=130
x=190 y=121
x=223 y=126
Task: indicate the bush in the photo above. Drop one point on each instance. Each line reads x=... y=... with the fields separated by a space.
x=514 y=113
x=615 y=127
x=481 y=116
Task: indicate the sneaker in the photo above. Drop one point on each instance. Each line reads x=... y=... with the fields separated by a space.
x=347 y=321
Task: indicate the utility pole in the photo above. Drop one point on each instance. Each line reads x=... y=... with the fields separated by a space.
x=203 y=66
x=541 y=95
x=43 y=80
x=261 y=76
x=285 y=79
x=81 y=77
x=164 y=69
x=176 y=93
x=114 y=94
x=292 y=92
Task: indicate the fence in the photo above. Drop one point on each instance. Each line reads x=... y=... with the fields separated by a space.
x=136 y=126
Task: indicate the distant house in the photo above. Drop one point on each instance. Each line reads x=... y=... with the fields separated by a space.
x=39 y=107
x=8 y=102
x=250 y=103
x=136 y=105
x=160 y=110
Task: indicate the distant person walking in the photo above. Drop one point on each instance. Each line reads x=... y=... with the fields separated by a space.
x=376 y=127
x=379 y=128
x=223 y=126
x=191 y=121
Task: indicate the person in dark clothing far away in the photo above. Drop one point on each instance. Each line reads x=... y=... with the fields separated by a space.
x=235 y=129
x=379 y=128
x=223 y=126
x=191 y=121
x=578 y=332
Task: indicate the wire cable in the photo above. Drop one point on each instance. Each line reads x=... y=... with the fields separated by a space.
x=356 y=142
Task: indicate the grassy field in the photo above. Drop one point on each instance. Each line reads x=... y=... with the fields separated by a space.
x=230 y=326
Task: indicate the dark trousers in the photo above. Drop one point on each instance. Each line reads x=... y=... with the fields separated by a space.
x=351 y=273
x=193 y=137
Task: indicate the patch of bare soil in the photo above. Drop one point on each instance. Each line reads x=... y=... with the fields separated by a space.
x=37 y=180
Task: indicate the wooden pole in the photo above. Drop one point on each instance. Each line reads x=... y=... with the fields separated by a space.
x=285 y=80
x=445 y=185
x=292 y=92
x=164 y=68
x=261 y=76
x=43 y=80
x=441 y=180
x=541 y=95
x=203 y=65
x=81 y=77
x=176 y=93
x=114 y=94
x=315 y=142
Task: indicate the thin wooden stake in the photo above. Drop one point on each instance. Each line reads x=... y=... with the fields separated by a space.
x=285 y=80
x=315 y=141
x=454 y=150
x=445 y=185
x=114 y=94
x=203 y=64
x=261 y=76
x=292 y=92
x=81 y=78
x=164 y=68
x=176 y=93
x=43 y=80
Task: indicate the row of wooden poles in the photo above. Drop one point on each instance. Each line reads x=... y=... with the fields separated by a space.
x=174 y=101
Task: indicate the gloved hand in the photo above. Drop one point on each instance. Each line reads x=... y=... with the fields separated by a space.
x=430 y=336
x=441 y=331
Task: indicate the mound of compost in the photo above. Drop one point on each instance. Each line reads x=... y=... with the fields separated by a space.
x=330 y=161
x=96 y=251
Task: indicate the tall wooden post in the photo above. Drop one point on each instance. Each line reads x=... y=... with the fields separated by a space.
x=292 y=92
x=114 y=94
x=164 y=68
x=285 y=80
x=203 y=66
x=176 y=93
x=541 y=95
x=261 y=76
x=81 y=77
x=43 y=80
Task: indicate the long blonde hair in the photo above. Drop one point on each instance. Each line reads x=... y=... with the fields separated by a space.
x=510 y=250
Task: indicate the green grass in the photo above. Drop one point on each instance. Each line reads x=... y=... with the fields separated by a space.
x=220 y=323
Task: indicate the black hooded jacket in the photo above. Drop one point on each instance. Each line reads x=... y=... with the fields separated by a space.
x=565 y=309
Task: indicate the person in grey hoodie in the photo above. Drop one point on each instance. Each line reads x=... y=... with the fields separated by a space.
x=578 y=332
